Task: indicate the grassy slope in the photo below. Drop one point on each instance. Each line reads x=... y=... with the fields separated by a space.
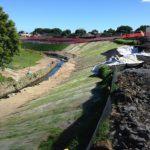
x=44 y=46
x=25 y=59
x=51 y=114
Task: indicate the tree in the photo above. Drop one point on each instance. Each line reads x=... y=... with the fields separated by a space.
x=142 y=28
x=94 y=32
x=41 y=31
x=66 y=32
x=109 y=32
x=80 y=32
x=56 y=32
x=9 y=39
x=124 y=30
x=47 y=31
x=21 y=32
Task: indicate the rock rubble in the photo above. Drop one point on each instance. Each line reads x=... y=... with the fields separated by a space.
x=130 y=119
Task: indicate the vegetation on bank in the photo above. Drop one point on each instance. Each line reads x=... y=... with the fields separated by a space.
x=126 y=41
x=89 y=118
x=9 y=85
x=105 y=73
x=103 y=131
x=25 y=58
x=59 y=112
x=43 y=46
x=107 y=83
x=5 y=79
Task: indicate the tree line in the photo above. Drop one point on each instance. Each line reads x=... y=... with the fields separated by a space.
x=124 y=29
x=56 y=32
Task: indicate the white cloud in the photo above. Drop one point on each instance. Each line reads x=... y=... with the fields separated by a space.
x=145 y=0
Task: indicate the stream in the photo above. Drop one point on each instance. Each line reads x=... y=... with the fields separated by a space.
x=54 y=70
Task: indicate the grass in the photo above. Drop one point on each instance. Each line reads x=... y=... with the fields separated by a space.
x=4 y=79
x=25 y=58
x=43 y=46
x=126 y=41
x=103 y=131
x=29 y=54
x=50 y=115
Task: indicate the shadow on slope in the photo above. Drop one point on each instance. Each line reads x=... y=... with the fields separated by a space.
x=110 y=53
x=78 y=134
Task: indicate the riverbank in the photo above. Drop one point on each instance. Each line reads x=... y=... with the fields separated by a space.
x=9 y=105
x=23 y=78
x=56 y=112
x=20 y=73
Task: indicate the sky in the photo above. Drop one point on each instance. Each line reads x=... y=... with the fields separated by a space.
x=74 y=14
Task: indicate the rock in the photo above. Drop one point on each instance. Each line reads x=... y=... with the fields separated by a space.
x=103 y=145
x=134 y=139
x=132 y=101
x=112 y=133
x=127 y=109
x=122 y=127
x=143 y=133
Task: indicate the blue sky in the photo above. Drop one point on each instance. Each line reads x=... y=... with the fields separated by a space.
x=73 y=14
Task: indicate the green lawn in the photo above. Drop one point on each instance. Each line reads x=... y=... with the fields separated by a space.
x=126 y=41
x=50 y=115
x=29 y=54
x=25 y=58
x=44 y=46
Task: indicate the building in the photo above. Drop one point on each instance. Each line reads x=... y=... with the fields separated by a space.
x=25 y=34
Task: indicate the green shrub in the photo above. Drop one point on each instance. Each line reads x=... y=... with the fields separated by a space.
x=114 y=87
x=46 y=145
x=104 y=72
x=74 y=144
x=4 y=79
x=126 y=41
x=103 y=131
x=10 y=79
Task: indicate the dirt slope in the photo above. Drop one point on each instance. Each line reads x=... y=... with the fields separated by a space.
x=10 y=105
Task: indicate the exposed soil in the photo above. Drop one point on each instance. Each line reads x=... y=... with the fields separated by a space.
x=10 y=105
x=130 y=117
